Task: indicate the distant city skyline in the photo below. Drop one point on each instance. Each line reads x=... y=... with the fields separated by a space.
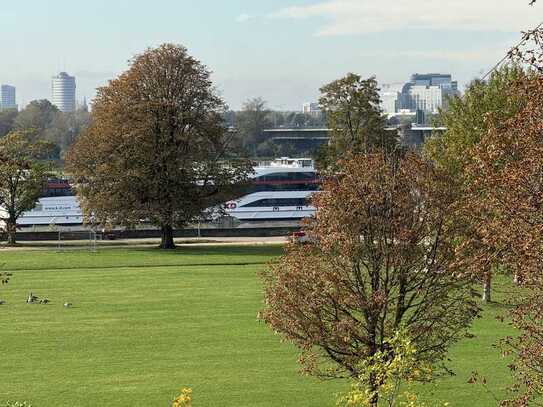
x=282 y=51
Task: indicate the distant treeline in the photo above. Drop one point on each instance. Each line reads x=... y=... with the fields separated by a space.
x=48 y=123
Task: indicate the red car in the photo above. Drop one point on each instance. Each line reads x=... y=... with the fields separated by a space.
x=299 y=237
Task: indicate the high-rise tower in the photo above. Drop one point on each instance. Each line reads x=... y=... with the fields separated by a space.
x=7 y=97
x=63 y=92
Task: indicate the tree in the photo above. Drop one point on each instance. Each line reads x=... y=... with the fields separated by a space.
x=156 y=148
x=66 y=127
x=397 y=365
x=380 y=259
x=268 y=149
x=298 y=120
x=39 y=115
x=23 y=176
x=355 y=119
x=7 y=120
x=506 y=197
x=468 y=118
x=485 y=104
x=250 y=122
x=52 y=125
x=317 y=120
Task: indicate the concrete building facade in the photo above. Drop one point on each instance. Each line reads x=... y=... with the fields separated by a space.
x=424 y=92
x=312 y=109
x=390 y=96
x=427 y=92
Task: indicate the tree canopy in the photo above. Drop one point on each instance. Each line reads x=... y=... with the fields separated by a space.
x=505 y=200
x=250 y=123
x=484 y=105
x=50 y=124
x=7 y=121
x=157 y=148
x=23 y=176
x=354 y=117
x=380 y=258
x=468 y=118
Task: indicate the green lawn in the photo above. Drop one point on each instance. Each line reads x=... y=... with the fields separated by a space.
x=478 y=354
x=145 y=323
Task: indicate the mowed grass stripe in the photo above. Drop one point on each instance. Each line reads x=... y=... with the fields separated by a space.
x=138 y=257
x=88 y=268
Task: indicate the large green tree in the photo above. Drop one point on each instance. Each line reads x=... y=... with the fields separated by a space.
x=157 y=147
x=23 y=176
x=354 y=117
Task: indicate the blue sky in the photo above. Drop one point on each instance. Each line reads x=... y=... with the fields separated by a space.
x=281 y=50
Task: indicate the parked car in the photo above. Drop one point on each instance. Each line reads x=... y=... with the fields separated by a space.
x=299 y=237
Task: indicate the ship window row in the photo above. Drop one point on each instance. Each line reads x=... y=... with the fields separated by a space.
x=288 y=176
x=52 y=192
x=280 y=187
x=277 y=202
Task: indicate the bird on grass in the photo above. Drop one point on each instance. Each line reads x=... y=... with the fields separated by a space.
x=31 y=298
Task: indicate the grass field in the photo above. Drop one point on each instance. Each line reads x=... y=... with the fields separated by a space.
x=145 y=323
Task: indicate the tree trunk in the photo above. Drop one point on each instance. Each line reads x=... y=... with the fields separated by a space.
x=166 y=241
x=374 y=402
x=11 y=226
x=487 y=285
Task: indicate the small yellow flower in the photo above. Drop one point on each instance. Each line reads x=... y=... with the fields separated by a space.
x=185 y=399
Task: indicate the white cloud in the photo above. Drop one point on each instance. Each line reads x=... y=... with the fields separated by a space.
x=243 y=18
x=348 y=17
x=477 y=55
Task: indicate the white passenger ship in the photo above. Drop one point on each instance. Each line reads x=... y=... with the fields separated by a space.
x=279 y=190
x=57 y=206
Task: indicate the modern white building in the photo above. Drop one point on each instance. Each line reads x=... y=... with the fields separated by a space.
x=312 y=109
x=390 y=96
x=427 y=92
x=63 y=92
x=7 y=97
x=426 y=98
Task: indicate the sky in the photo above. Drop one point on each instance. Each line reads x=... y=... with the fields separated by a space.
x=280 y=50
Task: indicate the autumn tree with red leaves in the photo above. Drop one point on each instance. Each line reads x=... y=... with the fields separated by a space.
x=380 y=259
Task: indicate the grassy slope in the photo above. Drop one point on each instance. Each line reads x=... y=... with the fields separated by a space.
x=145 y=323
